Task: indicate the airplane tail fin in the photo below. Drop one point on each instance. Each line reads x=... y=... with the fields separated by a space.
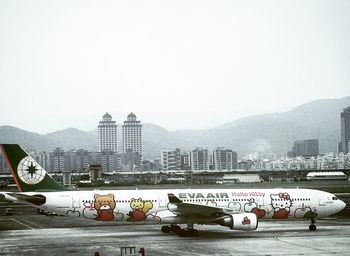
x=27 y=173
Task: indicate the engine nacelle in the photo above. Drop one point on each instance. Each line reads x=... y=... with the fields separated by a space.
x=240 y=221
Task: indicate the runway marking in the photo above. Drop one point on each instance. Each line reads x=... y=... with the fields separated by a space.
x=31 y=223
x=22 y=224
x=302 y=245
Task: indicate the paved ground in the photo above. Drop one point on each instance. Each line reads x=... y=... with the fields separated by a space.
x=27 y=233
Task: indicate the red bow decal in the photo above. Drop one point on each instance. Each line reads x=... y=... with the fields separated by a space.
x=285 y=196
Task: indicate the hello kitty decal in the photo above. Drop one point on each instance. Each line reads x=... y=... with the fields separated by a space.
x=281 y=204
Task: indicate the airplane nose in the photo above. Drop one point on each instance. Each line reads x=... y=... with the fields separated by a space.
x=341 y=205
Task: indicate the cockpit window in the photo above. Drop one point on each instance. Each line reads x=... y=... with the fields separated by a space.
x=335 y=198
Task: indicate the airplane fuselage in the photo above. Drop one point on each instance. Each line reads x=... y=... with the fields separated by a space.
x=153 y=205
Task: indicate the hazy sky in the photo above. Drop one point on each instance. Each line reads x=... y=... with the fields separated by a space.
x=178 y=64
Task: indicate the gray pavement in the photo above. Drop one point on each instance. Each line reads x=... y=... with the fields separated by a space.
x=32 y=234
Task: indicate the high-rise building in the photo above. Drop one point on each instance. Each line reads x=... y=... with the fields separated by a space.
x=199 y=159
x=57 y=160
x=171 y=160
x=78 y=159
x=132 y=135
x=344 y=143
x=108 y=159
x=107 y=134
x=185 y=161
x=224 y=159
x=130 y=160
x=305 y=148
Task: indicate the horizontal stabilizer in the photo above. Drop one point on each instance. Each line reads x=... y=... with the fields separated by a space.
x=33 y=199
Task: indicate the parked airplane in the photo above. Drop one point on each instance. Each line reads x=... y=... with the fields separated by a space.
x=238 y=209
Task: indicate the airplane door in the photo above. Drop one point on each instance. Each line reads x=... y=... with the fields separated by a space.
x=260 y=201
x=321 y=201
x=163 y=200
x=75 y=201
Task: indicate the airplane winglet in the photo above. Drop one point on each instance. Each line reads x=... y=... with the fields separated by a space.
x=174 y=199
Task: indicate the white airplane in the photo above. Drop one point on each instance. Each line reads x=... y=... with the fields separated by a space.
x=238 y=209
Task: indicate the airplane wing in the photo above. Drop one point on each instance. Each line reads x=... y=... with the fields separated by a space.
x=195 y=210
x=205 y=214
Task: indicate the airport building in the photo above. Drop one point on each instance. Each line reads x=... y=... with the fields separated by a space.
x=319 y=176
x=240 y=178
x=95 y=171
x=107 y=134
x=132 y=135
x=344 y=144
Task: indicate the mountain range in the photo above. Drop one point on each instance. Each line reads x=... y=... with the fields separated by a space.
x=268 y=133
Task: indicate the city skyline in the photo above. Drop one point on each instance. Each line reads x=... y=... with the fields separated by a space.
x=121 y=116
x=271 y=133
x=195 y=64
x=304 y=154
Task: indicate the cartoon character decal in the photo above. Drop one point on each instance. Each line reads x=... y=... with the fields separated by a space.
x=102 y=208
x=104 y=205
x=281 y=204
x=139 y=209
x=253 y=207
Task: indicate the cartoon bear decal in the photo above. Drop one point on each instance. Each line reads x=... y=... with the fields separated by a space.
x=104 y=205
x=281 y=204
x=139 y=209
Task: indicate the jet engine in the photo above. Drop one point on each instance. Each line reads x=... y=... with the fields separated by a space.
x=240 y=221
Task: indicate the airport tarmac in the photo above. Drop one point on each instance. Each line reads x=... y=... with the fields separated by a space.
x=27 y=233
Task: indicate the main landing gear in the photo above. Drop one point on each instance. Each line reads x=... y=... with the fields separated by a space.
x=184 y=232
x=312 y=226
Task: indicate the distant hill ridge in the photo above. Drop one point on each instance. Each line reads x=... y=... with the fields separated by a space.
x=273 y=132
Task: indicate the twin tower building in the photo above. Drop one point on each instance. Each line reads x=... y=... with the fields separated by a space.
x=131 y=135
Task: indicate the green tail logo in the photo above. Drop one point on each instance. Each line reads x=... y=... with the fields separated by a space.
x=27 y=173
